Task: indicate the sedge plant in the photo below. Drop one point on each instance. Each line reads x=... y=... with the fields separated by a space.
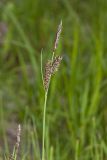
x=50 y=68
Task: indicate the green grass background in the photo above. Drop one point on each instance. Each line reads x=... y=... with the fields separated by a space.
x=77 y=103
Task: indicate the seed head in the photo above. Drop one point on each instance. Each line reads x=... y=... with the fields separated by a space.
x=50 y=69
x=57 y=36
x=47 y=74
x=12 y=156
x=18 y=137
x=52 y=66
x=55 y=64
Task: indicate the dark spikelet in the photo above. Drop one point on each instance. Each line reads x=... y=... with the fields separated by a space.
x=50 y=69
x=55 y=64
x=47 y=74
x=57 y=36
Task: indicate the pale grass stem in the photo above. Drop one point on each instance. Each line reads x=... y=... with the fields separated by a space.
x=16 y=147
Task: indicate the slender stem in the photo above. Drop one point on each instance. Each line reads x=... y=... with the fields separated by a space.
x=42 y=67
x=44 y=114
x=44 y=121
x=46 y=92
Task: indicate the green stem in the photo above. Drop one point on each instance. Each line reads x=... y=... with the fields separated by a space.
x=44 y=121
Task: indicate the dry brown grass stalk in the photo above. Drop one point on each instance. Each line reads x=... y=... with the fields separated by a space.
x=16 y=147
x=18 y=138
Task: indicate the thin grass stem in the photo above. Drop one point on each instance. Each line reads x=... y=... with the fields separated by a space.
x=42 y=67
x=44 y=126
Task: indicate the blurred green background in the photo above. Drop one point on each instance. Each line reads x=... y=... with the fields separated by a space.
x=76 y=121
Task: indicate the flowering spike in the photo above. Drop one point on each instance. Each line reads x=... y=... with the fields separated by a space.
x=47 y=74
x=56 y=63
x=57 y=36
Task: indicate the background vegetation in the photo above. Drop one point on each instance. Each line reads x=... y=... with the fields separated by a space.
x=77 y=103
